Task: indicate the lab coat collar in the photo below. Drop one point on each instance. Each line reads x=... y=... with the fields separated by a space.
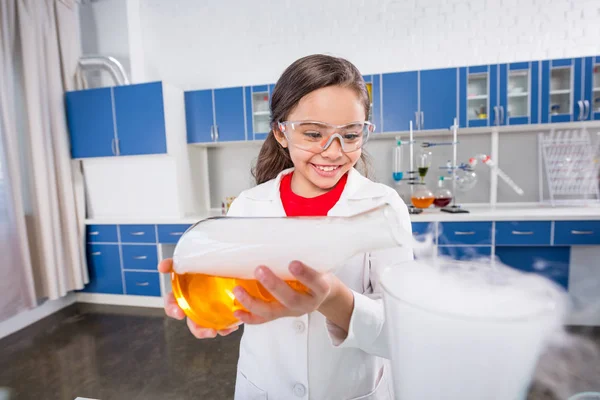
x=357 y=188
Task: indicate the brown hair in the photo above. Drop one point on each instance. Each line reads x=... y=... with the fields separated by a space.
x=299 y=79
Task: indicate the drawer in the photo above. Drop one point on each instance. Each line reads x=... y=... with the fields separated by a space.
x=104 y=266
x=102 y=233
x=140 y=256
x=421 y=228
x=550 y=262
x=465 y=233
x=171 y=233
x=576 y=232
x=521 y=233
x=137 y=233
x=142 y=283
x=465 y=252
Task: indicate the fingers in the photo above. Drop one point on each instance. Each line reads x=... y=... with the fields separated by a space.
x=282 y=291
x=248 y=318
x=172 y=309
x=199 y=332
x=267 y=311
x=315 y=281
x=225 y=332
x=166 y=266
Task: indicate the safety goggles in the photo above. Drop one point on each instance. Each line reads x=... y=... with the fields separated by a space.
x=316 y=136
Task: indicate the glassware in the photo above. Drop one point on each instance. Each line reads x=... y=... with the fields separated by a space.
x=218 y=254
x=442 y=195
x=398 y=170
x=496 y=322
x=422 y=196
x=424 y=163
x=466 y=179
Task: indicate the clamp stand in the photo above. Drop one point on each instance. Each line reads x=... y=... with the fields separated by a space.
x=454 y=208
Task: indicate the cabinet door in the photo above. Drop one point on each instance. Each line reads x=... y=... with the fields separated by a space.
x=90 y=122
x=140 y=119
x=478 y=95
x=519 y=103
x=229 y=114
x=550 y=262
x=258 y=115
x=562 y=90
x=439 y=95
x=592 y=88
x=104 y=266
x=400 y=101
x=199 y=116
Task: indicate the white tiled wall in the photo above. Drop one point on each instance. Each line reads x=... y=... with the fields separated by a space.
x=197 y=44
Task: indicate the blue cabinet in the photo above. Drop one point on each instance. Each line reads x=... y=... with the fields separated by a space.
x=199 y=116
x=90 y=123
x=140 y=283
x=258 y=115
x=562 y=94
x=591 y=89
x=122 y=120
x=574 y=233
x=465 y=252
x=215 y=115
x=171 y=233
x=518 y=90
x=104 y=265
x=400 y=98
x=140 y=119
x=477 y=95
x=523 y=233
x=550 y=262
x=465 y=233
x=102 y=233
x=137 y=233
x=373 y=83
x=139 y=256
x=438 y=105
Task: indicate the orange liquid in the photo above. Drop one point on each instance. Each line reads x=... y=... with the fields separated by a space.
x=209 y=300
x=422 y=202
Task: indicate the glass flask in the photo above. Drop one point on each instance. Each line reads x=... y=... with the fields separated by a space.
x=442 y=195
x=422 y=197
x=424 y=163
x=218 y=254
x=466 y=179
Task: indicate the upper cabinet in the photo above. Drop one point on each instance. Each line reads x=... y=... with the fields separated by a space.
x=373 y=83
x=216 y=115
x=591 y=90
x=118 y=121
x=258 y=115
x=400 y=101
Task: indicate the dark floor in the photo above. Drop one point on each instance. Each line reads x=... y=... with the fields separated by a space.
x=106 y=352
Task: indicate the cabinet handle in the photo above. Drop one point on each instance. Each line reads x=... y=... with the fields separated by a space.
x=217 y=132
x=142 y=283
x=501 y=115
x=118 y=147
x=212 y=133
x=586 y=103
x=138 y=233
x=140 y=257
x=96 y=253
x=459 y=233
x=422 y=120
x=176 y=233
x=417 y=119
x=113 y=146
x=95 y=233
x=496 y=116
x=582 y=232
x=580 y=103
x=522 y=232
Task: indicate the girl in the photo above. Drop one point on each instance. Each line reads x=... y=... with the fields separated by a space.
x=329 y=343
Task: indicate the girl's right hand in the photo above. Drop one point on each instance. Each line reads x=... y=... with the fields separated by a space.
x=174 y=311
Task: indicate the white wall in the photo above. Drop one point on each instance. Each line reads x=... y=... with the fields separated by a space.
x=196 y=44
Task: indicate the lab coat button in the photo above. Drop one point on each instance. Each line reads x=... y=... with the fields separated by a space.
x=299 y=326
x=299 y=390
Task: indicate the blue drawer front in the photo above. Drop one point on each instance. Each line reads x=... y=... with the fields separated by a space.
x=142 y=283
x=550 y=262
x=102 y=233
x=422 y=228
x=515 y=233
x=464 y=252
x=104 y=266
x=171 y=233
x=137 y=233
x=576 y=232
x=473 y=233
x=139 y=257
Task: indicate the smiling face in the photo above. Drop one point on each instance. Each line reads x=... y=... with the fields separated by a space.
x=315 y=174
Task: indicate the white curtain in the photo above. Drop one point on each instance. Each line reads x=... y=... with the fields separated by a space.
x=39 y=49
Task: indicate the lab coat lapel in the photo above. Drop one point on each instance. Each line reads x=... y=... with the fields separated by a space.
x=360 y=194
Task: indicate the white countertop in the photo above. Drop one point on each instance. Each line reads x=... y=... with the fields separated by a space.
x=477 y=212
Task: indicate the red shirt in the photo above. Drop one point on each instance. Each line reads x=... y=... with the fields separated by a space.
x=298 y=206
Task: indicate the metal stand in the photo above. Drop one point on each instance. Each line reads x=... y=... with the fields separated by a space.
x=412 y=209
x=454 y=209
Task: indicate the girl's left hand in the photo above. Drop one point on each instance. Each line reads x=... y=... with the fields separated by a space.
x=290 y=303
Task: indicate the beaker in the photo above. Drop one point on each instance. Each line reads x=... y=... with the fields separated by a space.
x=422 y=197
x=442 y=195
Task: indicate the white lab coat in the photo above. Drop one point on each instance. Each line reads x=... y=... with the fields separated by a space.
x=306 y=357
